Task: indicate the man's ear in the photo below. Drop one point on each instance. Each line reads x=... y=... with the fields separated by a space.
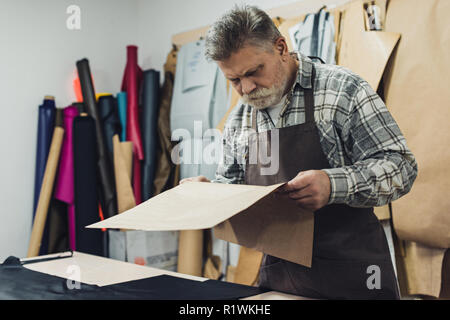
x=281 y=47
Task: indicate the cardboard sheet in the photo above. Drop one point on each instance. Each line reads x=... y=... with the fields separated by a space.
x=190 y=252
x=123 y=153
x=247 y=270
x=261 y=219
x=364 y=52
x=419 y=268
x=418 y=96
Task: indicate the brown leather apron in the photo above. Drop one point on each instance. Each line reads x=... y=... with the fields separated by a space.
x=350 y=246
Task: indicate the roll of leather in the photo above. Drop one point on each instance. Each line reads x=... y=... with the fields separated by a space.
x=64 y=182
x=149 y=125
x=46 y=192
x=109 y=115
x=122 y=109
x=130 y=83
x=107 y=190
x=80 y=107
x=46 y=123
x=58 y=233
x=165 y=172
x=86 y=193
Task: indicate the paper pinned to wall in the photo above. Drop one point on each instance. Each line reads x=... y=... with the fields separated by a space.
x=364 y=52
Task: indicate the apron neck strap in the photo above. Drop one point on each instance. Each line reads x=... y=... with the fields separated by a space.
x=309 y=99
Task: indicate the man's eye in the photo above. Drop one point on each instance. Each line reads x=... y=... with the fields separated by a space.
x=235 y=81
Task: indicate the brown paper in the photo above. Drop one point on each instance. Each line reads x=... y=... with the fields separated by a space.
x=46 y=192
x=247 y=269
x=278 y=228
x=190 y=252
x=364 y=52
x=213 y=267
x=230 y=273
x=262 y=220
x=418 y=96
x=123 y=153
x=382 y=213
x=419 y=268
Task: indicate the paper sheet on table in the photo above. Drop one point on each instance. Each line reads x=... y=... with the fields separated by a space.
x=262 y=219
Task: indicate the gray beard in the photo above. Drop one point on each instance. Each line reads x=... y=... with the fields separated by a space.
x=265 y=97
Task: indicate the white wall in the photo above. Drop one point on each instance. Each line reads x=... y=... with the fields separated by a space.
x=37 y=57
x=160 y=19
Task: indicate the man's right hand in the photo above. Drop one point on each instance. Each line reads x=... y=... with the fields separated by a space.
x=195 y=179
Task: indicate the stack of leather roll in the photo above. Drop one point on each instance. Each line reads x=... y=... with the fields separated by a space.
x=95 y=158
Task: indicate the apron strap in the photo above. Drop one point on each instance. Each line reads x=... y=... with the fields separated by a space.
x=309 y=99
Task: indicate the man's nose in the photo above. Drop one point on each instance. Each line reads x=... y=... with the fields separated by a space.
x=247 y=86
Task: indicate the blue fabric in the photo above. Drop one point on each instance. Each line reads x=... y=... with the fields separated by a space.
x=46 y=123
x=122 y=106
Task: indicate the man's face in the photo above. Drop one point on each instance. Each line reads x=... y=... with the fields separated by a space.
x=259 y=76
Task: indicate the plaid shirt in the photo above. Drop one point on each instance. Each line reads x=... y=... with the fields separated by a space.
x=370 y=164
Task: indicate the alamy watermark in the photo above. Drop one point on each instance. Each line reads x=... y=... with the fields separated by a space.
x=374 y=280
x=74 y=279
x=206 y=147
x=73 y=22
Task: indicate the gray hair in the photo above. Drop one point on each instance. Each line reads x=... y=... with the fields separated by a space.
x=241 y=26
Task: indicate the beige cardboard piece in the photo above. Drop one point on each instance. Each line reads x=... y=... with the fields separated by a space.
x=382 y=213
x=417 y=93
x=46 y=192
x=101 y=271
x=419 y=268
x=260 y=218
x=190 y=252
x=364 y=52
x=247 y=270
x=123 y=153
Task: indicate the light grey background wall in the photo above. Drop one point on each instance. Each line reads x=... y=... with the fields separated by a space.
x=37 y=57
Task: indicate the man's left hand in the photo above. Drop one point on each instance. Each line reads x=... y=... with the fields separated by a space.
x=310 y=189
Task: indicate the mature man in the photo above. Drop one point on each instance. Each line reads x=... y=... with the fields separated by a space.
x=339 y=149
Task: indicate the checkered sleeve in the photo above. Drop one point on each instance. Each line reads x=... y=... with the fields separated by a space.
x=383 y=168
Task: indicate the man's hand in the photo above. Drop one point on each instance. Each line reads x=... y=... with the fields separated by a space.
x=310 y=189
x=195 y=179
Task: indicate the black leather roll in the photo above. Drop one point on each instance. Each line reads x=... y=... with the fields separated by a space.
x=107 y=190
x=58 y=233
x=85 y=186
x=149 y=126
x=109 y=115
x=80 y=107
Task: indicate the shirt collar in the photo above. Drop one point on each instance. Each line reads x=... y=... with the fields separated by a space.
x=304 y=73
